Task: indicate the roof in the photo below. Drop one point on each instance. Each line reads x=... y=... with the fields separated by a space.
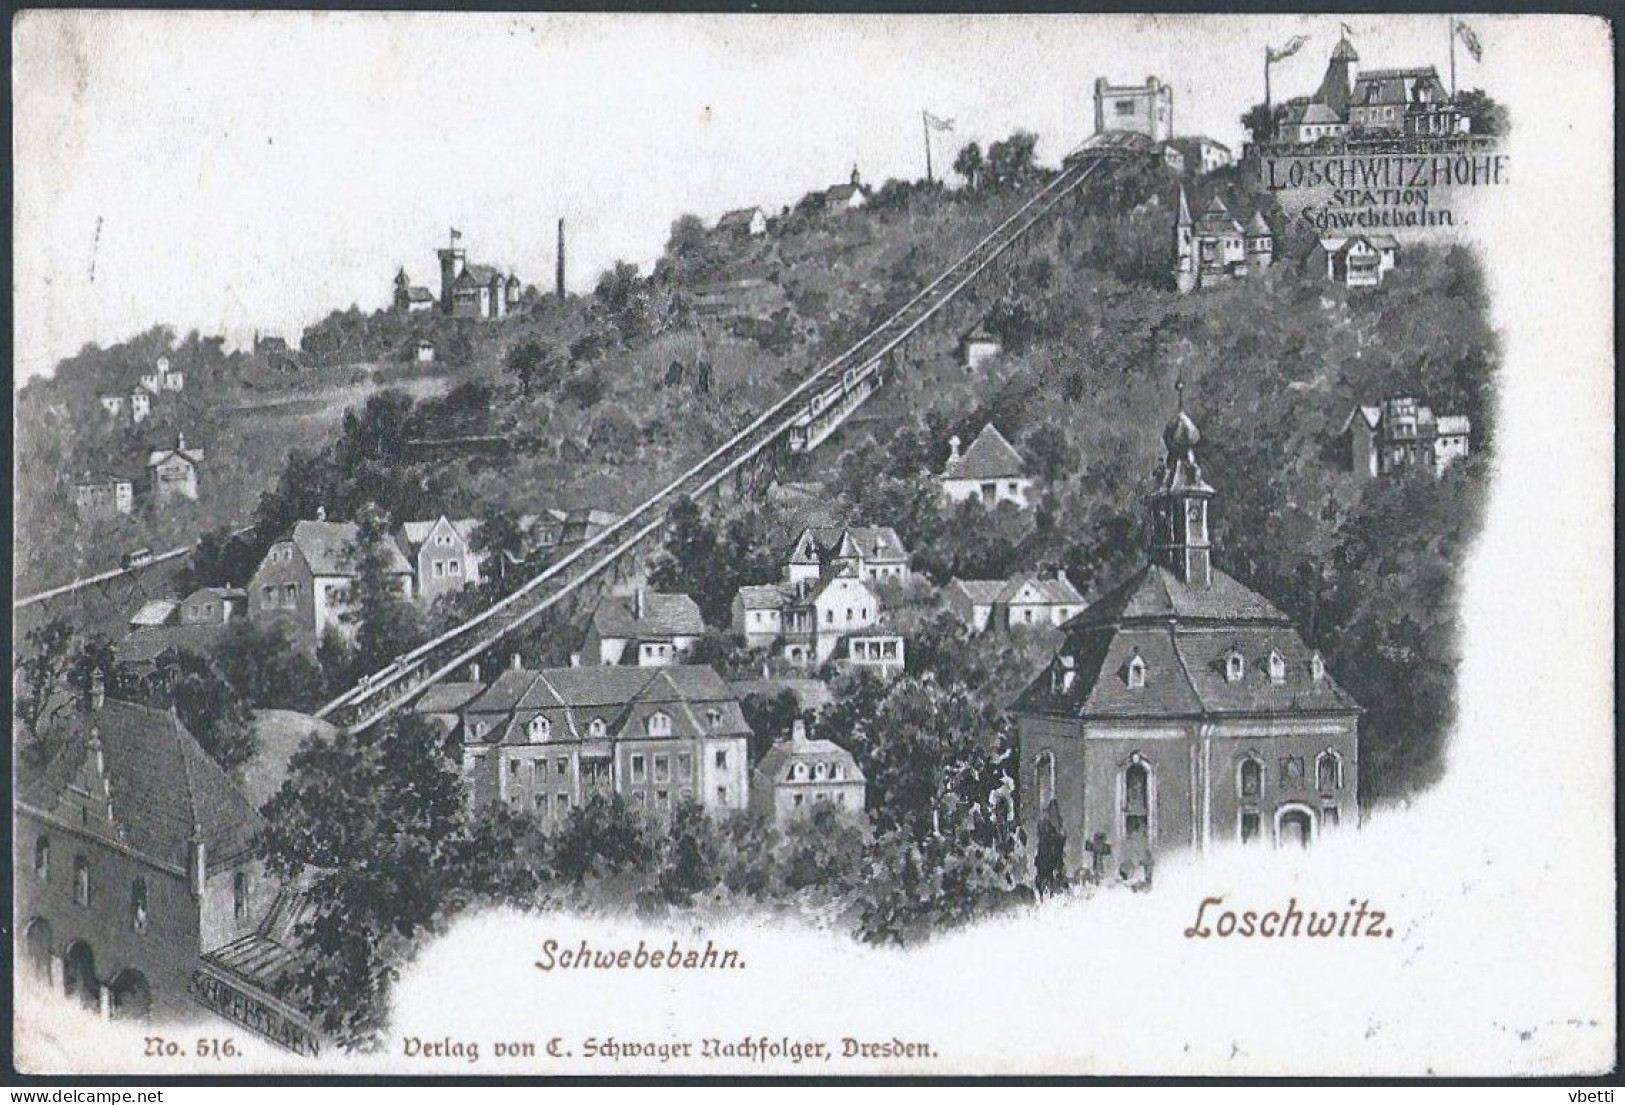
x=1336 y=244
x=416 y=533
x=874 y=543
x=154 y=612
x=1184 y=636
x=159 y=456
x=592 y=516
x=154 y=785
x=325 y=545
x=446 y=698
x=146 y=643
x=419 y=294
x=664 y=615
x=785 y=753
x=989 y=457
x=811 y=694
x=1054 y=590
x=1389 y=86
x=980 y=592
x=100 y=479
x=842 y=193
x=1257 y=227
x=1455 y=424
x=1370 y=415
x=1217 y=219
x=622 y=697
x=483 y=273
x=765 y=596
x=216 y=593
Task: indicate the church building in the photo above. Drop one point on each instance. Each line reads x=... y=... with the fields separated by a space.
x=1183 y=708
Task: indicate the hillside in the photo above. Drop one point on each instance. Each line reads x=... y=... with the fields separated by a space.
x=1095 y=337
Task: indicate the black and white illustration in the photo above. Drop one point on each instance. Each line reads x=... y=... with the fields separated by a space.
x=590 y=544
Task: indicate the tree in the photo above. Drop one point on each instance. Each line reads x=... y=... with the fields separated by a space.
x=43 y=671
x=524 y=362
x=1260 y=122
x=690 y=861
x=206 y=703
x=602 y=838
x=264 y=666
x=770 y=718
x=748 y=855
x=386 y=624
x=968 y=164
x=223 y=558
x=376 y=824
x=1010 y=161
x=824 y=847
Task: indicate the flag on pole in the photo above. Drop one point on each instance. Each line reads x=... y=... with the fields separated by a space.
x=937 y=124
x=1470 y=40
x=455 y=234
x=1348 y=32
x=1286 y=51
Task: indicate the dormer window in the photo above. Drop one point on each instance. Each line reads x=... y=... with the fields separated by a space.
x=538 y=729
x=658 y=725
x=1136 y=671
x=1235 y=666
x=1317 y=667
x=1277 y=667
x=1063 y=675
x=799 y=772
x=595 y=728
x=480 y=728
x=820 y=772
x=713 y=719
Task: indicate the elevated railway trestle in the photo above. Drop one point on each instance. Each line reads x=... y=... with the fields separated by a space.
x=803 y=418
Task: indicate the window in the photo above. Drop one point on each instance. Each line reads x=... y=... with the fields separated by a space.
x=1317 y=667
x=797 y=799
x=1328 y=770
x=662 y=798
x=1328 y=816
x=1010 y=487
x=1044 y=773
x=290 y=594
x=685 y=765
x=1249 y=825
x=595 y=728
x=42 y=857
x=81 y=880
x=990 y=491
x=1136 y=671
x=268 y=595
x=820 y=772
x=662 y=769
x=561 y=802
x=541 y=804
x=713 y=719
x=722 y=757
x=1123 y=107
x=455 y=567
x=722 y=796
x=829 y=617
x=439 y=568
x=798 y=772
x=1250 y=779
x=1277 y=667
x=1292 y=770
x=638 y=769
x=561 y=768
x=658 y=725
x=138 y=905
x=480 y=728
x=539 y=728
x=640 y=797
x=1137 y=800
x=513 y=768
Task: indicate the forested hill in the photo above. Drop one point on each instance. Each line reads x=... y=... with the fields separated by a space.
x=600 y=398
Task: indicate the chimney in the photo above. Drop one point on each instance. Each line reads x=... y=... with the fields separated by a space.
x=321 y=514
x=558 y=275
x=638 y=604
x=518 y=662
x=953 y=447
x=473 y=673
x=197 y=860
x=98 y=690
x=180 y=442
x=575 y=659
x=798 y=732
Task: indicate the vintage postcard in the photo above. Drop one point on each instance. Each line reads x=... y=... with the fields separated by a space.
x=813 y=545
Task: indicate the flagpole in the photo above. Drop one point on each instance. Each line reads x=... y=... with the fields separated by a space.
x=925 y=126
x=1452 y=58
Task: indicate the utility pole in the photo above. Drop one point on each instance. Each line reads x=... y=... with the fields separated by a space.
x=925 y=125
x=1452 y=58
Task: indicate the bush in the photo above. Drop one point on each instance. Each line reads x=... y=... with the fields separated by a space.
x=824 y=848
x=912 y=888
x=748 y=857
x=601 y=838
x=690 y=861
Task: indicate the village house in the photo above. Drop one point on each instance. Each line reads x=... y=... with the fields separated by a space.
x=1184 y=709
x=305 y=578
x=846 y=197
x=807 y=621
x=471 y=291
x=1357 y=261
x=156 y=612
x=134 y=855
x=411 y=297
x=546 y=741
x=645 y=629
x=978 y=346
x=100 y=497
x=871 y=552
x=990 y=471
x=214 y=606
x=797 y=774
x=140 y=407
x=1378 y=103
x=1216 y=248
x=1402 y=435
x=1146 y=109
x=585 y=523
x=174 y=471
x=1023 y=600
x=747 y=222
x=442 y=556
x=112 y=404
x=1202 y=154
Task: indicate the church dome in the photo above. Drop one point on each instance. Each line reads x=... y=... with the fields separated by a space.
x=1181 y=435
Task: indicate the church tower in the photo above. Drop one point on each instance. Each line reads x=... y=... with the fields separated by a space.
x=1335 y=88
x=1179 y=505
x=1184 y=246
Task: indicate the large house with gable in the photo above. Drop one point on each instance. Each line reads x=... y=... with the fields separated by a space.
x=872 y=552
x=305 y=578
x=810 y=621
x=544 y=741
x=1184 y=709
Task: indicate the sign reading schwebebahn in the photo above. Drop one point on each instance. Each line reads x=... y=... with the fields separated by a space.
x=258 y=1013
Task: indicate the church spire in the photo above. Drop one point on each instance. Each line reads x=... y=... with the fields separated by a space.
x=1178 y=505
